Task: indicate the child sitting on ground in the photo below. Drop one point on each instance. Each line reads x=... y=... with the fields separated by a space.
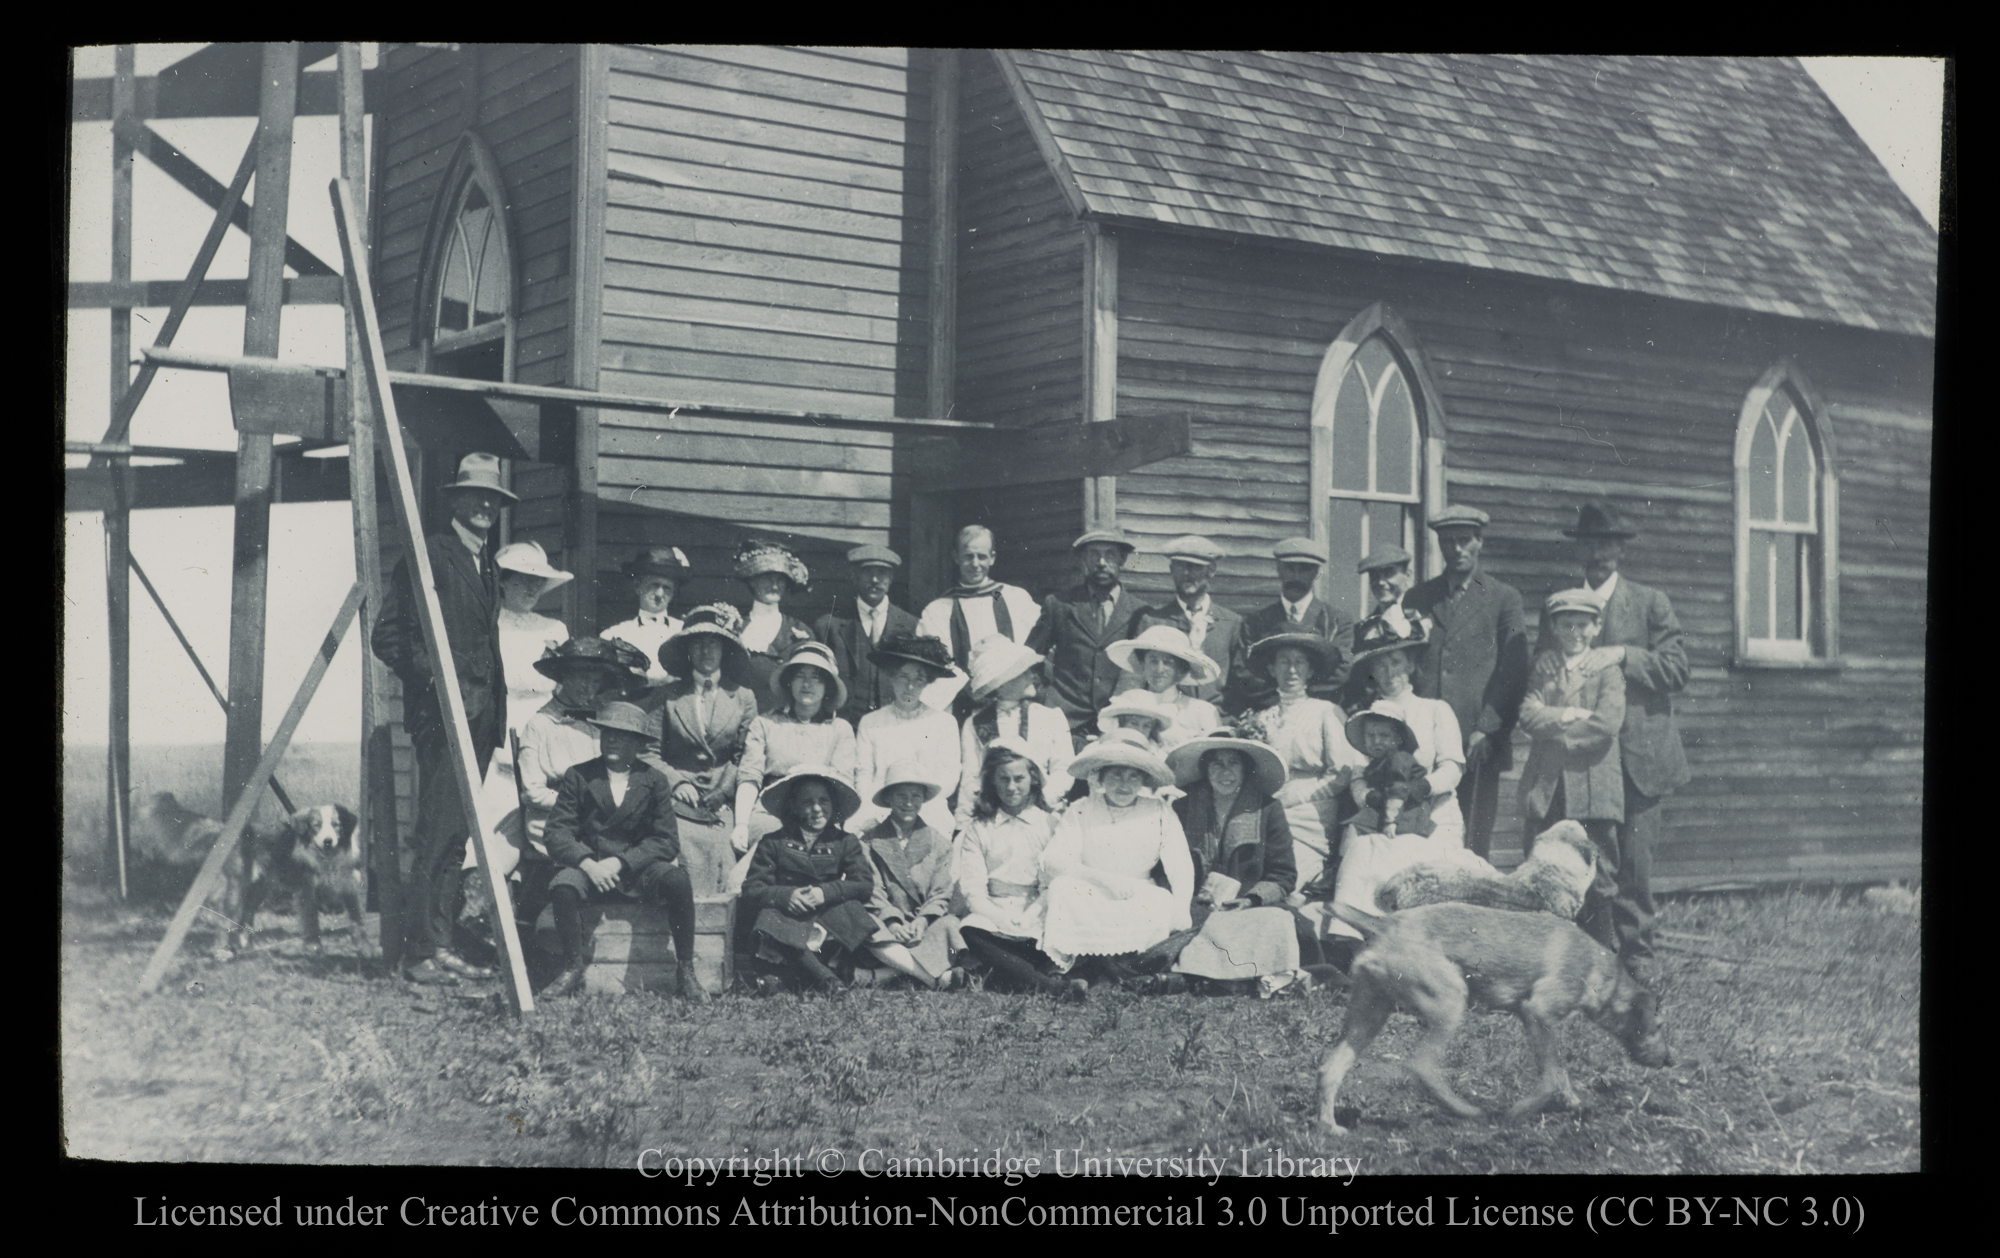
x=807 y=883
x=1394 y=792
x=913 y=884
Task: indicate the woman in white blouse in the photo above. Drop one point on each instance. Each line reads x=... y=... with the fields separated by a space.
x=1003 y=683
x=1309 y=735
x=1161 y=660
x=998 y=862
x=908 y=730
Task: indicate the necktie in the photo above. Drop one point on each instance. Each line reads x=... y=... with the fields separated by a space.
x=705 y=704
x=875 y=625
x=1293 y=609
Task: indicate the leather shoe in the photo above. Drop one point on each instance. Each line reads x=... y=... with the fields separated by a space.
x=688 y=987
x=567 y=983
x=460 y=966
x=428 y=973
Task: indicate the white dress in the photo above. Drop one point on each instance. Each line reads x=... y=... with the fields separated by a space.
x=884 y=738
x=1048 y=738
x=1098 y=896
x=1310 y=736
x=1366 y=860
x=523 y=638
x=998 y=865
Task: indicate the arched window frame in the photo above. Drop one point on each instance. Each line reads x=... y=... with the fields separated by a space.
x=472 y=166
x=1377 y=320
x=1820 y=646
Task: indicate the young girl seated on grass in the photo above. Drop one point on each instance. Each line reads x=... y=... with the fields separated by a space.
x=808 y=882
x=999 y=868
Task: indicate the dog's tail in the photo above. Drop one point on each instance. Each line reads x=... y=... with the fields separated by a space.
x=1367 y=923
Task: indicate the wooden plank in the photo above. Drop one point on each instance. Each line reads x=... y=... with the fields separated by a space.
x=784 y=482
x=686 y=367
x=629 y=220
x=799 y=106
x=941 y=380
x=815 y=63
x=184 y=171
x=653 y=116
x=701 y=444
x=635 y=288
x=808 y=337
x=587 y=260
x=1057 y=452
x=806 y=515
x=642 y=249
x=823 y=80
x=317 y=290
x=662 y=152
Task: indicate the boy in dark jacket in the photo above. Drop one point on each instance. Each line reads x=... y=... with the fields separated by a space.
x=613 y=831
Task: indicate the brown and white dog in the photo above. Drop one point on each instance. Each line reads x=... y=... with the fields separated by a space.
x=312 y=855
x=1553 y=879
x=1430 y=960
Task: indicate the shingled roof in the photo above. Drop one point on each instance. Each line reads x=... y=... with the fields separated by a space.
x=1731 y=181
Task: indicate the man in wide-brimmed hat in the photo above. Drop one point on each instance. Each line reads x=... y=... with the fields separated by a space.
x=1215 y=630
x=468 y=593
x=856 y=626
x=1477 y=662
x=656 y=574
x=1641 y=637
x=1077 y=625
x=1297 y=610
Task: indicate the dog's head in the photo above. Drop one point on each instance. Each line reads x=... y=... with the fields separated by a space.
x=1633 y=1015
x=323 y=828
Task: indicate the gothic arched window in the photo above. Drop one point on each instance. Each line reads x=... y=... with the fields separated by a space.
x=1787 y=504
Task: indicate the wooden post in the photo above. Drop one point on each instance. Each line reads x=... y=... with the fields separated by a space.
x=118 y=518
x=458 y=732
x=1100 y=362
x=380 y=836
x=586 y=327
x=942 y=393
x=239 y=812
x=263 y=304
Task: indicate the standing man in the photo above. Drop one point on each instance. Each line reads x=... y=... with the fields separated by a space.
x=1389 y=579
x=977 y=606
x=656 y=574
x=1214 y=630
x=854 y=628
x=468 y=593
x=1642 y=639
x=1077 y=625
x=1478 y=662
x=1296 y=611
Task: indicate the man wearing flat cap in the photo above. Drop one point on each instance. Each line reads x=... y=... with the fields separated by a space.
x=1641 y=637
x=1477 y=663
x=1215 y=631
x=1077 y=625
x=467 y=582
x=1297 y=610
x=1388 y=569
x=856 y=626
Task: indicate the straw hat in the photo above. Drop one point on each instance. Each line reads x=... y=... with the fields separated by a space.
x=897 y=649
x=755 y=558
x=810 y=654
x=906 y=773
x=1266 y=766
x=1393 y=629
x=1264 y=653
x=1135 y=702
x=481 y=471
x=997 y=660
x=529 y=558
x=1170 y=641
x=622 y=716
x=777 y=797
x=714 y=620
x=1581 y=599
x=1124 y=748
x=565 y=658
x=1405 y=736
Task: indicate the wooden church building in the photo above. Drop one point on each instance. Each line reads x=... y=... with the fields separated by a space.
x=1362 y=287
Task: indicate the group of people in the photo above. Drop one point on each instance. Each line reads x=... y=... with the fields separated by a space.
x=1082 y=790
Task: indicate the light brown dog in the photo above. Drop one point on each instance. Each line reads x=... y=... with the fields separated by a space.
x=1553 y=879
x=1539 y=967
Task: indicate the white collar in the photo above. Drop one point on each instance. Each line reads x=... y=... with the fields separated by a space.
x=473 y=541
x=766 y=611
x=1610 y=584
x=1297 y=611
x=653 y=618
x=714 y=678
x=1197 y=609
x=869 y=613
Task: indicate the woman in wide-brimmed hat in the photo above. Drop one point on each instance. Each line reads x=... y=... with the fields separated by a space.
x=1003 y=687
x=771 y=573
x=909 y=728
x=1306 y=731
x=657 y=574
x=804 y=730
x=1161 y=660
x=1103 y=908
x=809 y=882
x=704 y=718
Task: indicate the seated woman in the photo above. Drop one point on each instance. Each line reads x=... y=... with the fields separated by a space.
x=1103 y=907
x=1307 y=734
x=808 y=882
x=802 y=730
x=1003 y=681
x=1160 y=660
x=1574 y=771
x=913 y=883
x=1385 y=647
x=909 y=728
x=998 y=865
x=771 y=572
x=704 y=719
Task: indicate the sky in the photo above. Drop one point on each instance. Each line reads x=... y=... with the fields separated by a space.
x=1894 y=104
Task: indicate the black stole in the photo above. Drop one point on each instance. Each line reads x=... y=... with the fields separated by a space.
x=961 y=633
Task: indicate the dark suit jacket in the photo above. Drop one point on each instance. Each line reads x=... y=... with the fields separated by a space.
x=868 y=685
x=587 y=825
x=1641 y=619
x=1477 y=660
x=1224 y=643
x=687 y=754
x=1079 y=672
x=1251 y=691
x=471 y=605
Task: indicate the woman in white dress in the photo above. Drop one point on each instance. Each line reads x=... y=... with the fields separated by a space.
x=908 y=729
x=1161 y=660
x=1309 y=735
x=1384 y=652
x=998 y=861
x=1101 y=905
x=1003 y=684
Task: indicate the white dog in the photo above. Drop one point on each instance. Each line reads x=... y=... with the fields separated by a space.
x=1552 y=880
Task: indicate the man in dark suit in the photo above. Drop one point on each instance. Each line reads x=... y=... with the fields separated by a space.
x=853 y=629
x=1076 y=625
x=1214 y=629
x=1477 y=662
x=468 y=594
x=1642 y=639
x=613 y=832
x=1297 y=610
